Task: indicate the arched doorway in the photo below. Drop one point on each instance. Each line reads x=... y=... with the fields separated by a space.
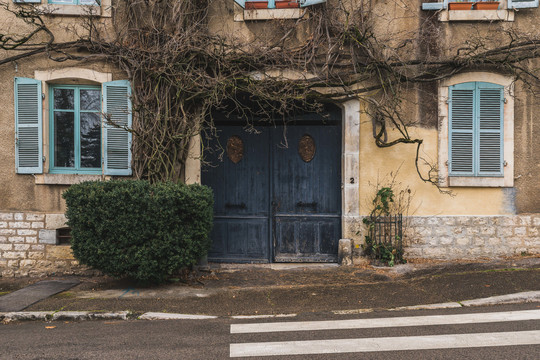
x=277 y=189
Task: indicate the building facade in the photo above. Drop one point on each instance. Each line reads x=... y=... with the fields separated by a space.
x=292 y=201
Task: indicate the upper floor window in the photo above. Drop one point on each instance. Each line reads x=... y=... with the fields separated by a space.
x=276 y=4
x=480 y=5
x=61 y=2
x=75 y=2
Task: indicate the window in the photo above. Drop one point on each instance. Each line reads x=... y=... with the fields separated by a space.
x=75 y=2
x=62 y=2
x=483 y=10
x=63 y=236
x=75 y=129
x=101 y=8
x=276 y=4
x=511 y=4
x=476 y=130
x=80 y=141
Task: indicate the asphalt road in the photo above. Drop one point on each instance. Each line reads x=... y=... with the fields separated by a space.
x=217 y=339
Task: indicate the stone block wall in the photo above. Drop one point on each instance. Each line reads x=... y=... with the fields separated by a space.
x=470 y=237
x=463 y=237
x=28 y=246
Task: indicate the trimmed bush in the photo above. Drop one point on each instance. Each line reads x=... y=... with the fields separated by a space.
x=140 y=230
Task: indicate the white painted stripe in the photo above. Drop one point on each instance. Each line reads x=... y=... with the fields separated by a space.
x=447 y=305
x=262 y=316
x=168 y=316
x=386 y=322
x=386 y=344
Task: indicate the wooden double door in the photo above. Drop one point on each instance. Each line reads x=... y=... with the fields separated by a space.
x=277 y=192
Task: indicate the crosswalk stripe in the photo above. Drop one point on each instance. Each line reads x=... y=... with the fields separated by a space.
x=386 y=344
x=386 y=322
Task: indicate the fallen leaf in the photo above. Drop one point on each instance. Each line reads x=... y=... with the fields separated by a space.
x=50 y=327
x=487 y=285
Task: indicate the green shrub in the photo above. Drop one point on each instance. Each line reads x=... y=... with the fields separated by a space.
x=140 y=230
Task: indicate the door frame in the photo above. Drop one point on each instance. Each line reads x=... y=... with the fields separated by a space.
x=351 y=113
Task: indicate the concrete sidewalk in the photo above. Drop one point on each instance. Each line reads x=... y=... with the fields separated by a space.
x=286 y=289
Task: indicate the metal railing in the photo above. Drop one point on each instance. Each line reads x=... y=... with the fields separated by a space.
x=387 y=230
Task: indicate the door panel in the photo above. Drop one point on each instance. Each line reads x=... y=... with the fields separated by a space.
x=310 y=239
x=239 y=176
x=306 y=192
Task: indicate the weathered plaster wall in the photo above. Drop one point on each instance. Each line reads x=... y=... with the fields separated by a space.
x=28 y=192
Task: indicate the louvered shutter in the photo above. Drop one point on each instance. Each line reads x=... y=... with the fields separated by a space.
x=461 y=130
x=490 y=129
x=117 y=141
x=27 y=1
x=522 y=4
x=435 y=5
x=28 y=126
x=304 y=3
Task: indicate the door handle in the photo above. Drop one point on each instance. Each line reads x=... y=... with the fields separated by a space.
x=235 y=206
x=303 y=204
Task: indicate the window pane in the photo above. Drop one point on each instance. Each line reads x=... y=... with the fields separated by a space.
x=90 y=100
x=64 y=99
x=64 y=141
x=90 y=140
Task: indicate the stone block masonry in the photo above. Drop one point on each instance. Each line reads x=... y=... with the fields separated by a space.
x=28 y=246
x=471 y=237
x=28 y=240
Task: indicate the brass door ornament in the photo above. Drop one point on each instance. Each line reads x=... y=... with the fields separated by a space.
x=235 y=149
x=306 y=148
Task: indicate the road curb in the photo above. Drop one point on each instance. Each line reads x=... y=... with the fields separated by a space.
x=62 y=316
x=7 y=317
x=527 y=296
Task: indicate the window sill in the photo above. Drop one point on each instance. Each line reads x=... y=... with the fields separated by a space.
x=66 y=179
x=465 y=181
x=77 y=10
x=476 y=15
x=269 y=14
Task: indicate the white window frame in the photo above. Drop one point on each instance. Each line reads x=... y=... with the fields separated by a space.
x=508 y=128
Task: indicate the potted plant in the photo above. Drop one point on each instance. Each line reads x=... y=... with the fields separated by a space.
x=460 y=5
x=256 y=4
x=284 y=4
x=486 y=5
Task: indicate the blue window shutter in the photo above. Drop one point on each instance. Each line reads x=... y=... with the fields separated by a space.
x=27 y=1
x=490 y=129
x=522 y=4
x=433 y=6
x=242 y=3
x=28 y=126
x=117 y=141
x=461 y=129
x=304 y=3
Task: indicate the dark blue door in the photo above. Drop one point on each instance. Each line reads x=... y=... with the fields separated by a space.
x=277 y=192
x=306 y=192
x=238 y=172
